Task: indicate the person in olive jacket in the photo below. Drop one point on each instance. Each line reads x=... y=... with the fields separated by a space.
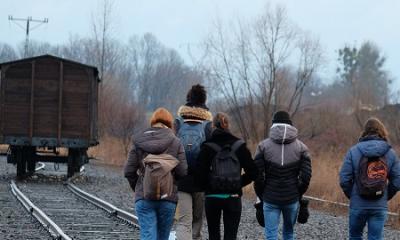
x=155 y=216
x=226 y=202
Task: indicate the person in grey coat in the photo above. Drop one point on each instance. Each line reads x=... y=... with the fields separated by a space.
x=155 y=216
x=284 y=165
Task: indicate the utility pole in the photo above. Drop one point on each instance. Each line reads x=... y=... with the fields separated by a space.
x=28 y=28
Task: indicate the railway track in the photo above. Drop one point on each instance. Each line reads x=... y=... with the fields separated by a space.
x=15 y=223
x=70 y=213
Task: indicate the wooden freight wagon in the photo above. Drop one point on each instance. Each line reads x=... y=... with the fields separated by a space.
x=48 y=102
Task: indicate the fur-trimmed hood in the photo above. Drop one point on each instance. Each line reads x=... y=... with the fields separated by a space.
x=198 y=113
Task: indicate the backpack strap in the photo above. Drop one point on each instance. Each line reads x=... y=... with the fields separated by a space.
x=178 y=121
x=236 y=145
x=214 y=146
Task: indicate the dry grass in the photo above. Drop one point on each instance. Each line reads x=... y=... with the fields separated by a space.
x=3 y=148
x=325 y=177
x=325 y=184
x=110 y=151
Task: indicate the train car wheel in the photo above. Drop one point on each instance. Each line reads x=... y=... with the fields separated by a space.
x=73 y=162
x=71 y=165
x=21 y=162
x=29 y=153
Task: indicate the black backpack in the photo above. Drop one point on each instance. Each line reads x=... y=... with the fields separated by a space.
x=225 y=169
x=372 y=177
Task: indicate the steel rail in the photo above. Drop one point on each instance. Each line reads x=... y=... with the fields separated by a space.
x=44 y=220
x=40 y=167
x=124 y=215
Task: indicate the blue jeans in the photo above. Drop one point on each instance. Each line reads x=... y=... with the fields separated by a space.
x=374 y=217
x=272 y=214
x=155 y=219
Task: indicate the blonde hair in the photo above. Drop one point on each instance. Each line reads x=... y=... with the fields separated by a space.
x=221 y=120
x=162 y=115
x=373 y=126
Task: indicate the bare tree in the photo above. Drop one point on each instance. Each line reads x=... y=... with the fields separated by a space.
x=7 y=53
x=159 y=73
x=122 y=115
x=251 y=67
x=105 y=48
x=310 y=59
x=222 y=71
x=275 y=40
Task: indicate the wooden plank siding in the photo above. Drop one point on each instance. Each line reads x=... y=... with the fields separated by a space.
x=17 y=87
x=75 y=112
x=48 y=98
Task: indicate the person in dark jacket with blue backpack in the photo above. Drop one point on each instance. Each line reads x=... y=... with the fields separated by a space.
x=223 y=157
x=370 y=177
x=193 y=127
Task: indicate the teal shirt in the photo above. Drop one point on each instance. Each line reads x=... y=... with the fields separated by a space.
x=223 y=196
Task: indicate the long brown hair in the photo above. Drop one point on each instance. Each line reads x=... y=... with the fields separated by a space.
x=373 y=126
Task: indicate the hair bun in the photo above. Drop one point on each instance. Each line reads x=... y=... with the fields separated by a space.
x=197 y=95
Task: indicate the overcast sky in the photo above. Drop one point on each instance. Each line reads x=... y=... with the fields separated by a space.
x=177 y=23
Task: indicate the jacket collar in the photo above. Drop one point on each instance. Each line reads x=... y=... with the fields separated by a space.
x=188 y=112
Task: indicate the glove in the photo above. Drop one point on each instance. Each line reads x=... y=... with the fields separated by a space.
x=303 y=215
x=259 y=213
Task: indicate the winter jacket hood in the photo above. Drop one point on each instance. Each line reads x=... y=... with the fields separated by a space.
x=155 y=140
x=283 y=133
x=373 y=147
x=192 y=112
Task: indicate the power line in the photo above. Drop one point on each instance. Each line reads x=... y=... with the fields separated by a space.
x=28 y=28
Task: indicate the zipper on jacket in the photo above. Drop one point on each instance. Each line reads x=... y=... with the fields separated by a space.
x=283 y=145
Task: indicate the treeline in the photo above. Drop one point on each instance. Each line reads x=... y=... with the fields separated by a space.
x=269 y=63
x=250 y=68
x=136 y=77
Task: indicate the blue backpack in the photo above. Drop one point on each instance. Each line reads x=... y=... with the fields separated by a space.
x=192 y=135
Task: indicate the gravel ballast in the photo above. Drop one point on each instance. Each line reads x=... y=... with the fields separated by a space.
x=108 y=183
x=15 y=220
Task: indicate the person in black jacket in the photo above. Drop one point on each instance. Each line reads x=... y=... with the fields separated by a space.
x=218 y=200
x=193 y=127
x=285 y=172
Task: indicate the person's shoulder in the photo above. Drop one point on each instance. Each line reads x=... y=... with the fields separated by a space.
x=303 y=147
x=391 y=154
x=265 y=141
x=242 y=148
x=354 y=148
x=264 y=144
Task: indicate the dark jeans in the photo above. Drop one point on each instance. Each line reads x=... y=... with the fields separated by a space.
x=231 y=208
x=375 y=218
x=155 y=219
